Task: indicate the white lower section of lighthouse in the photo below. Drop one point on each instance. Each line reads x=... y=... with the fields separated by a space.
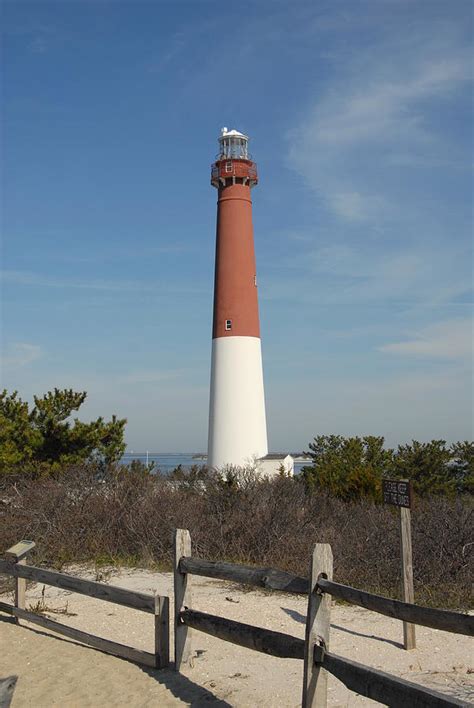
x=237 y=424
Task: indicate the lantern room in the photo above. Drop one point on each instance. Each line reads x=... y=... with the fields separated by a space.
x=233 y=164
x=233 y=145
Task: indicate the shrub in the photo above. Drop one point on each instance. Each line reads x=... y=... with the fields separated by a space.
x=128 y=516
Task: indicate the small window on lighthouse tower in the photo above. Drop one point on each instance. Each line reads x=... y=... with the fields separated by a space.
x=228 y=324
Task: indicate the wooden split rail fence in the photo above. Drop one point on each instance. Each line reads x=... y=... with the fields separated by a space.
x=314 y=650
x=15 y=565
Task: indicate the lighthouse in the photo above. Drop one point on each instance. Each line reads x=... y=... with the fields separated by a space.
x=237 y=424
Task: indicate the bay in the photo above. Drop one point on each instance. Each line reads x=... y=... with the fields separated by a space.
x=164 y=461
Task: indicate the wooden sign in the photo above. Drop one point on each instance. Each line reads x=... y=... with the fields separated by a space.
x=20 y=550
x=397 y=492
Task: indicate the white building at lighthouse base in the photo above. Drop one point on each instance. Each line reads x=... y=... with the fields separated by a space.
x=276 y=465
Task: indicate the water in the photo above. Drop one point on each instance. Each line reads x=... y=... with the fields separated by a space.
x=168 y=461
x=164 y=461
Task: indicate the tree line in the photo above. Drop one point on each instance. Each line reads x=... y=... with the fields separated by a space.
x=352 y=468
x=42 y=439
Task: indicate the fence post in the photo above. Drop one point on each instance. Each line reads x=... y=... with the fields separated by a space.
x=162 y=631
x=317 y=629
x=17 y=554
x=409 y=639
x=182 y=599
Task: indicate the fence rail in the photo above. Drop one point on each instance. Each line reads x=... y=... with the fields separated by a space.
x=384 y=688
x=245 y=635
x=156 y=605
x=446 y=620
x=271 y=579
x=318 y=661
x=267 y=578
x=109 y=593
x=366 y=681
x=105 y=645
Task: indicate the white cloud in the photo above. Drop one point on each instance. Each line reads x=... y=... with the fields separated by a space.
x=384 y=107
x=451 y=339
x=342 y=273
x=374 y=117
x=354 y=206
x=19 y=354
x=399 y=234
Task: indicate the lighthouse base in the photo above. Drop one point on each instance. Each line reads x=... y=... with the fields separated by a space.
x=237 y=424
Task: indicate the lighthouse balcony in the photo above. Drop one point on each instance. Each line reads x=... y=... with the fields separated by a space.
x=234 y=171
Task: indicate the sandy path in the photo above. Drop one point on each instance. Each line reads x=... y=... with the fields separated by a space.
x=58 y=672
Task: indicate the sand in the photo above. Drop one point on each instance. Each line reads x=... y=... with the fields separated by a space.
x=56 y=671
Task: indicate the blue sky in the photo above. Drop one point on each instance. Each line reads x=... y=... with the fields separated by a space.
x=360 y=117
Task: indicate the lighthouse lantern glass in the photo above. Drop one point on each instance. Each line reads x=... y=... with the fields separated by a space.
x=233 y=147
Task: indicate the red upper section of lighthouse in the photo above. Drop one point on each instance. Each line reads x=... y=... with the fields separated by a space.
x=235 y=285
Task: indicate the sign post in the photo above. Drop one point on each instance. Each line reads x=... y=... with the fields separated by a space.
x=399 y=493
